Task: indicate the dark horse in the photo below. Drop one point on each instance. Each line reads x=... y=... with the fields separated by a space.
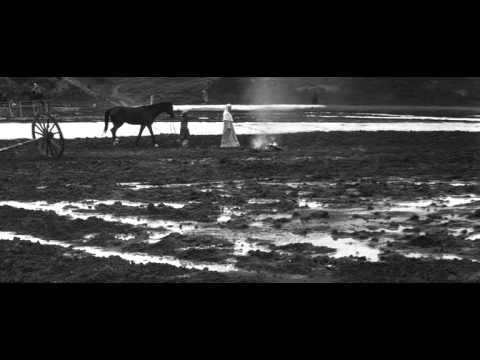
x=143 y=116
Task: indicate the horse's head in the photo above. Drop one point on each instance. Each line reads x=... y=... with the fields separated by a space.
x=170 y=110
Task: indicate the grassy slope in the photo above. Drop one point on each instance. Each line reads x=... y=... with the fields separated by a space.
x=181 y=90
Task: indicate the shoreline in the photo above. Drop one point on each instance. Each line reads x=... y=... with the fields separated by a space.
x=94 y=130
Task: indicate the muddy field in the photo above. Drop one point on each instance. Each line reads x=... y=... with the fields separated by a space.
x=330 y=207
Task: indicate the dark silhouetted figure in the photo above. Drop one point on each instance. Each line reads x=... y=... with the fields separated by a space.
x=37 y=92
x=205 y=96
x=184 y=131
x=315 y=98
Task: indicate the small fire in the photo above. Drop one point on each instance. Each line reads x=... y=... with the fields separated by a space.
x=264 y=142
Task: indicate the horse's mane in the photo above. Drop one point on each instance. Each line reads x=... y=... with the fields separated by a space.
x=159 y=104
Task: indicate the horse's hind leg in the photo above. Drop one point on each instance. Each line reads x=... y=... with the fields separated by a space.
x=140 y=134
x=114 y=134
x=153 y=136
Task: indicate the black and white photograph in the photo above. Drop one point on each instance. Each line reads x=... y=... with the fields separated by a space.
x=239 y=179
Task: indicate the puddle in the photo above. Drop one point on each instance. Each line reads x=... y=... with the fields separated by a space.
x=473 y=237
x=296 y=185
x=454 y=183
x=458 y=201
x=410 y=206
x=137 y=186
x=433 y=257
x=8 y=235
x=227 y=213
x=210 y=184
x=424 y=204
x=345 y=247
x=241 y=238
x=168 y=260
x=70 y=209
x=276 y=216
x=459 y=184
x=311 y=204
x=132 y=257
x=242 y=247
x=263 y=201
x=461 y=232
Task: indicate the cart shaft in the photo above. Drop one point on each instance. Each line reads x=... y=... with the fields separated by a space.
x=18 y=145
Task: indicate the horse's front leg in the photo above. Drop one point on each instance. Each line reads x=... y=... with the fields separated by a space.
x=153 y=136
x=140 y=134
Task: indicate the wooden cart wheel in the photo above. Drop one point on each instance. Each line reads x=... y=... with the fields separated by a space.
x=48 y=134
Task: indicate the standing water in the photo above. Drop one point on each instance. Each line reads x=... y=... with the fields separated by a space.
x=278 y=119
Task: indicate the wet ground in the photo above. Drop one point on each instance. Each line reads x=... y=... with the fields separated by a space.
x=330 y=207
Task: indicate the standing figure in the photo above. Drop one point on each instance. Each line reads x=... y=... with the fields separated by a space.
x=184 y=131
x=229 y=138
x=11 y=108
x=36 y=92
x=205 y=96
x=36 y=96
x=315 y=97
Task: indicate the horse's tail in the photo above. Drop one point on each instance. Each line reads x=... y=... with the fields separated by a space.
x=107 y=118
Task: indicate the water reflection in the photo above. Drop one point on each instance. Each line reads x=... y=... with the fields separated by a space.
x=76 y=130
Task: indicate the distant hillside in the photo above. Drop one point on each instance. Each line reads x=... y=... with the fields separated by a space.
x=130 y=90
x=264 y=90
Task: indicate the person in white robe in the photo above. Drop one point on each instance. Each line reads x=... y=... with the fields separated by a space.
x=229 y=138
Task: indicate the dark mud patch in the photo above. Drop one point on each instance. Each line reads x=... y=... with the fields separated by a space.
x=187 y=247
x=305 y=248
x=24 y=261
x=89 y=163
x=398 y=269
x=203 y=212
x=110 y=240
x=283 y=263
x=185 y=194
x=211 y=255
x=237 y=223
x=49 y=225
x=308 y=215
x=475 y=215
x=438 y=242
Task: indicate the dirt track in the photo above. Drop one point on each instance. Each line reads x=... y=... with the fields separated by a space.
x=343 y=185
